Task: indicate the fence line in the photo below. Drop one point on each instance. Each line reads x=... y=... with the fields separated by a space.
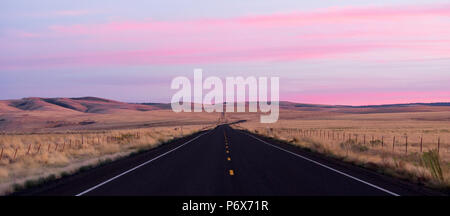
x=404 y=143
x=77 y=143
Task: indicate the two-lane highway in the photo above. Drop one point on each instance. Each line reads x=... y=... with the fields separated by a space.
x=225 y=161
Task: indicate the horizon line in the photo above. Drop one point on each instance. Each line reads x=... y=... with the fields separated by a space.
x=286 y=101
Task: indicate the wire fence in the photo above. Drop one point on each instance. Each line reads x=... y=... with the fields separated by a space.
x=396 y=142
x=67 y=144
x=14 y=147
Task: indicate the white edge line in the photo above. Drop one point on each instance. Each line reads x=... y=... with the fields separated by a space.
x=136 y=167
x=325 y=166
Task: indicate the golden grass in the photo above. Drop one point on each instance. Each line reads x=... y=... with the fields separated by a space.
x=343 y=137
x=32 y=156
x=54 y=122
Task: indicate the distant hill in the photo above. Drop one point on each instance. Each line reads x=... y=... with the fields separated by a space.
x=102 y=105
x=36 y=114
x=82 y=104
x=366 y=109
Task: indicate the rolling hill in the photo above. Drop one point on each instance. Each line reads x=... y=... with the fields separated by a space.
x=86 y=113
x=82 y=104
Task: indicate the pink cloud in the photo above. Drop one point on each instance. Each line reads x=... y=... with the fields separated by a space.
x=188 y=56
x=26 y=35
x=350 y=14
x=337 y=33
x=323 y=16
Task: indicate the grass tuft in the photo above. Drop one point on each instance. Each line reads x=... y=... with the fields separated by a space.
x=431 y=161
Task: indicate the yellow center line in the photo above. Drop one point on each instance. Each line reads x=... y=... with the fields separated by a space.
x=231 y=172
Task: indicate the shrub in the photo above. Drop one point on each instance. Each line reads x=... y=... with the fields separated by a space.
x=431 y=161
x=359 y=148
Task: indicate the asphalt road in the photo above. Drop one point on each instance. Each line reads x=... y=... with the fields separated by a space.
x=224 y=161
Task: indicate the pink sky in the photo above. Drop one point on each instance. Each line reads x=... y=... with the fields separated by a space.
x=366 y=98
x=363 y=35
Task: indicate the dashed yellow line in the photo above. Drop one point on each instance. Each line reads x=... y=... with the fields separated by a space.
x=225 y=137
x=231 y=172
x=228 y=159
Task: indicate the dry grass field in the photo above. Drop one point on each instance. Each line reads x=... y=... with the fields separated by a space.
x=33 y=156
x=403 y=144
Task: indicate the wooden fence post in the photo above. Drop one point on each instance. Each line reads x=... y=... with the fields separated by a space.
x=1 y=154
x=49 y=147
x=421 y=141
x=393 y=143
x=15 y=153
x=364 y=139
x=382 y=141
x=406 y=144
x=39 y=148
x=29 y=147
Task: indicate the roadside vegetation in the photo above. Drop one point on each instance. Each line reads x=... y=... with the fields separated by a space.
x=30 y=159
x=414 y=153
